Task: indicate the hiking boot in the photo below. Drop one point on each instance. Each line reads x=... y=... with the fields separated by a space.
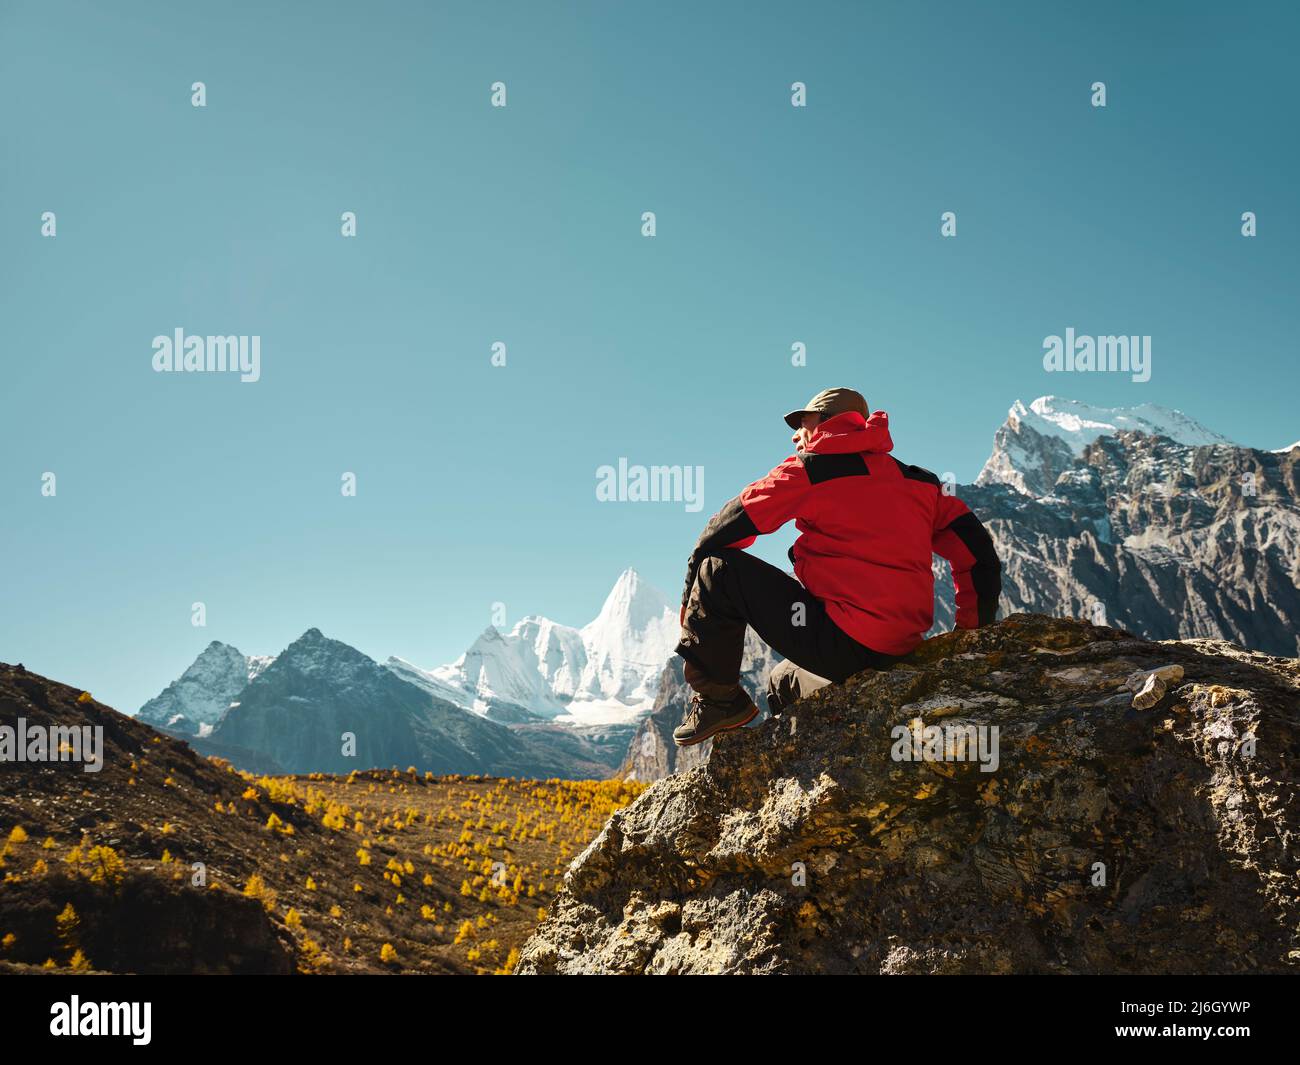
x=707 y=717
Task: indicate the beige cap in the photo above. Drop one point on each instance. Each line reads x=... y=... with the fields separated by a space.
x=828 y=403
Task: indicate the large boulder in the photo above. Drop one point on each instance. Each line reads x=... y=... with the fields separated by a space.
x=1090 y=836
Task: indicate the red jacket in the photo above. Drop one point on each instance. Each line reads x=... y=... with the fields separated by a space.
x=868 y=527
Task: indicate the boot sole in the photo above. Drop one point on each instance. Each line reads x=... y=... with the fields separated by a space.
x=722 y=726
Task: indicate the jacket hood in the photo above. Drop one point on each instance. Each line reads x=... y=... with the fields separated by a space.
x=849 y=432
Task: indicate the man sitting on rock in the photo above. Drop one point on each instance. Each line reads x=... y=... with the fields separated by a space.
x=864 y=596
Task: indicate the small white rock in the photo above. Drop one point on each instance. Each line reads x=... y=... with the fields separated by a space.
x=1150 y=685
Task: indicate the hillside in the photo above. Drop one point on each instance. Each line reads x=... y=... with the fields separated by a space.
x=167 y=862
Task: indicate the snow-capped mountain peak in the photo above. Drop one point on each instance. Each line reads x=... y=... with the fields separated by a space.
x=501 y=668
x=257 y=665
x=632 y=606
x=1039 y=441
x=607 y=671
x=194 y=702
x=629 y=641
x=313 y=654
x=1079 y=424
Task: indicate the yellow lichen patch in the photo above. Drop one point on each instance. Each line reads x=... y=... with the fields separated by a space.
x=1218 y=695
x=988 y=793
x=1063 y=899
x=927 y=789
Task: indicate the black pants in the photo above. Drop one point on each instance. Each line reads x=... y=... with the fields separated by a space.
x=733 y=589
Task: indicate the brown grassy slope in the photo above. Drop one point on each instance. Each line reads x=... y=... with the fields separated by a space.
x=175 y=863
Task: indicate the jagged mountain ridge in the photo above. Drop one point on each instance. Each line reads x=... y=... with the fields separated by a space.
x=1040 y=441
x=603 y=673
x=571 y=697
x=193 y=703
x=1168 y=539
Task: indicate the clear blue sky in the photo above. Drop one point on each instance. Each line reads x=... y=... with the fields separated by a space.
x=775 y=225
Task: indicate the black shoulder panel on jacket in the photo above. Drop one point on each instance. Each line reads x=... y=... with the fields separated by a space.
x=916 y=473
x=828 y=467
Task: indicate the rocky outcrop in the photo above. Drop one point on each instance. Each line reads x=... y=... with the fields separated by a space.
x=883 y=826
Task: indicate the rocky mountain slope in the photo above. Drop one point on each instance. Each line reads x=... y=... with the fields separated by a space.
x=193 y=703
x=1199 y=538
x=1037 y=443
x=1106 y=838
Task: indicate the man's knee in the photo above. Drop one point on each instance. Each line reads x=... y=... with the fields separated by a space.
x=717 y=563
x=781 y=686
x=719 y=574
x=788 y=683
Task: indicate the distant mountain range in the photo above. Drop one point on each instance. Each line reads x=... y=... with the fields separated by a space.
x=542 y=700
x=1142 y=519
x=322 y=706
x=1136 y=517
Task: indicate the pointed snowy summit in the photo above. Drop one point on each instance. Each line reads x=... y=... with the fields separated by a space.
x=607 y=671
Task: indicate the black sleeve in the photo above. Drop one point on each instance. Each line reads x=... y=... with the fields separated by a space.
x=986 y=574
x=728 y=525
